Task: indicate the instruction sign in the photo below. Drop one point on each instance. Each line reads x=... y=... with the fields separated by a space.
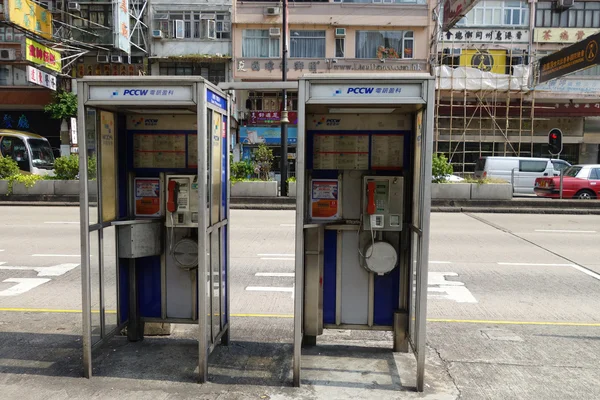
x=324 y=199
x=147 y=197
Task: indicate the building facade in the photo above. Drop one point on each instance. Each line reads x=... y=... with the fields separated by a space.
x=22 y=102
x=488 y=102
x=324 y=37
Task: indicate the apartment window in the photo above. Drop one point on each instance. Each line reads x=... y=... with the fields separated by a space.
x=8 y=34
x=214 y=72
x=384 y=44
x=497 y=13
x=270 y=101
x=581 y=15
x=193 y=24
x=340 y=47
x=258 y=43
x=307 y=44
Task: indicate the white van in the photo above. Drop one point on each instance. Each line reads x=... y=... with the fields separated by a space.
x=526 y=170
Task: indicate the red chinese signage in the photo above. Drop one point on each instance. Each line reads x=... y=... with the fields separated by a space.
x=271 y=117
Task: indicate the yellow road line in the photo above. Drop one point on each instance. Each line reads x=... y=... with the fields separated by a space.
x=264 y=315
x=253 y=315
x=50 y=310
x=482 y=321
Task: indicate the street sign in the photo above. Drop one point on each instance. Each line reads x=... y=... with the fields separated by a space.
x=578 y=56
x=41 y=78
x=555 y=141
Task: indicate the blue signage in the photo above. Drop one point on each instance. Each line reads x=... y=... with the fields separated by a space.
x=266 y=135
x=216 y=100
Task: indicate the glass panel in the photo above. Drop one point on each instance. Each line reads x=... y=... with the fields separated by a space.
x=108 y=165
x=416 y=220
x=208 y=299
x=92 y=153
x=209 y=117
x=109 y=255
x=95 y=286
x=414 y=260
x=216 y=136
x=215 y=261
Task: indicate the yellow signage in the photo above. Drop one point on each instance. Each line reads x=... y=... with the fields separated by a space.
x=42 y=55
x=562 y=35
x=30 y=16
x=485 y=60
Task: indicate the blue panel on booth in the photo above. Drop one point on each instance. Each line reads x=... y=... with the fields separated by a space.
x=386 y=297
x=123 y=290
x=148 y=277
x=329 y=276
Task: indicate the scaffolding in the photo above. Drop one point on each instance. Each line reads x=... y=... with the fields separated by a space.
x=484 y=104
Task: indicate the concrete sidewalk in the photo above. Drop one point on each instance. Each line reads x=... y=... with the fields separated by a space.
x=344 y=365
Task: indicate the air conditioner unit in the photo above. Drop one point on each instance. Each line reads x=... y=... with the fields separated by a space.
x=102 y=59
x=340 y=32
x=273 y=11
x=564 y=4
x=274 y=32
x=8 y=54
x=74 y=7
x=157 y=34
x=116 y=59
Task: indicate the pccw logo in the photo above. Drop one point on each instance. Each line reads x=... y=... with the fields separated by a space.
x=150 y=122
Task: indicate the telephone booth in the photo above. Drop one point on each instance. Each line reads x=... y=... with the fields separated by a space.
x=154 y=196
x=362 y=212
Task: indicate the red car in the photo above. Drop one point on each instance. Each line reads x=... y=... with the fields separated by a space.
x=579 y=182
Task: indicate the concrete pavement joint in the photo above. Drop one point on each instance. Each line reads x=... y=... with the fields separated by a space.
x=580 y=267
x=447 y=365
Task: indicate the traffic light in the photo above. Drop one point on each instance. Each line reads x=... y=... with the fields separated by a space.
x=555 y=141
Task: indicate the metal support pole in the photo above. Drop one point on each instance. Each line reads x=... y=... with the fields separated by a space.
x=562 y=174
x=284 y=112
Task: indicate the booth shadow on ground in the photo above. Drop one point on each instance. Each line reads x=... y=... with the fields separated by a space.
x=265 y=364
x=25 y=353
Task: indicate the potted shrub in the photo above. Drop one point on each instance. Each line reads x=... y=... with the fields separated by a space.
x=251 y=179
x=441 y=186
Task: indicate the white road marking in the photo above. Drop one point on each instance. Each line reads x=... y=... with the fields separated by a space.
x=459 y=294
x=586 y=271
x=55 y=255
x=278 y=258
x=275 y=255
x=535 y=264
x=269 y=289
x=448 y=290
x=276 y=274
x=55 y=270
x=61 y=222
x=563 y=231
x=22 y=285
x=440 y=262
x=577 y=267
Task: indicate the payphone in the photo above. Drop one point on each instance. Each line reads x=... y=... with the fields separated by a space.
x=182 y=214
x=382 y=203
x=382 y=211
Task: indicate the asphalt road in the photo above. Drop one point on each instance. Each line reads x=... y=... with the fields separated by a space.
x=513 y=311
